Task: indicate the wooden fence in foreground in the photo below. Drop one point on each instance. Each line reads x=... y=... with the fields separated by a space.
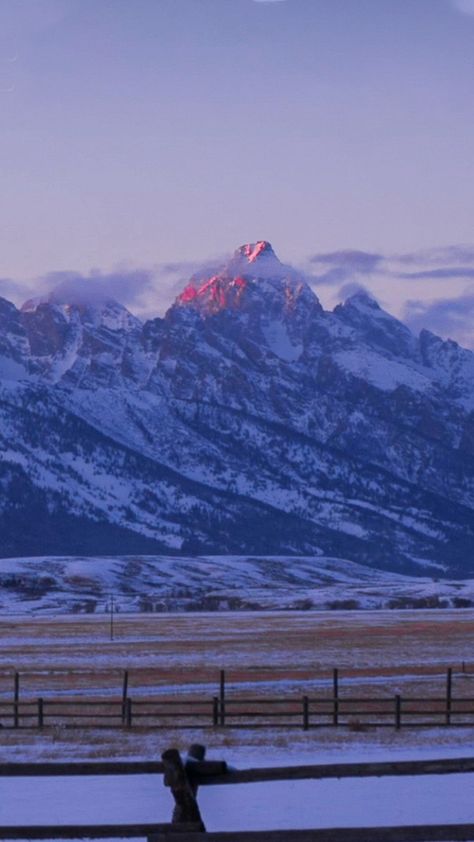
x=227 y=709
x=184 y=778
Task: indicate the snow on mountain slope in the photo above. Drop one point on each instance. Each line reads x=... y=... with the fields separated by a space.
x=166 y=583
x=247 y=420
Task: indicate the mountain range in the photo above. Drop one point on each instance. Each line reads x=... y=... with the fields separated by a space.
x=248 y=420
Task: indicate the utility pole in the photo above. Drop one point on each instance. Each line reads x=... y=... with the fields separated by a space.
x=111 y=607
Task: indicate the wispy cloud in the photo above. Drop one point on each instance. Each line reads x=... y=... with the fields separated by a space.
x=335 y=267
x=127 y=286
x=455 y=254
x=449 y=317
x=147 y=292
x=441 y=303
x=347 y=290
x=437 y=274
x=15 y=290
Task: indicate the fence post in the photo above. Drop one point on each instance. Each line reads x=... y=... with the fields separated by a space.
x=305 y=713
x=128 y=712
x=398 y=711
x=449 y=689
x=335 y=684
x=186 y=807
x=124 y=694
x=40 y=713
x=16 y=700
x=215 y=711
x=222 y=697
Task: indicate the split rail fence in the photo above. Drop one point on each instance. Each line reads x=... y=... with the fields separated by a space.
x=187 y=825
x=236 y=710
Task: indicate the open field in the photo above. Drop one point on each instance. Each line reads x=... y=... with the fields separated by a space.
x=165 y=652
x=285 y=654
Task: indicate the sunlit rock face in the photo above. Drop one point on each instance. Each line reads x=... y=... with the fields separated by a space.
x=247 y=420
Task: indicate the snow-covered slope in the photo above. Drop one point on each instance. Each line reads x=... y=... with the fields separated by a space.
x=211 y=583
x=247 y=420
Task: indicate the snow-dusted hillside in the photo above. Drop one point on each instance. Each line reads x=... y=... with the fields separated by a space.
x=165 y=583
x=247 y=420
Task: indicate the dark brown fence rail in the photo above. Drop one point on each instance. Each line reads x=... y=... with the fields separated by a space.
x=265 y=712
x=233 y=706
x=421 y=833
x=170 y=833
x=111 y=831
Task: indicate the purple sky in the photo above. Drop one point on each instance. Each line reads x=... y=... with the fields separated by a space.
x=136 y=134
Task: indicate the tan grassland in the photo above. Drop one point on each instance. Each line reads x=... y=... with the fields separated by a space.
x=281 y=654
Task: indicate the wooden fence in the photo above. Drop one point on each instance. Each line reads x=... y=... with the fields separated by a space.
x=184 y=778
x=236 y=710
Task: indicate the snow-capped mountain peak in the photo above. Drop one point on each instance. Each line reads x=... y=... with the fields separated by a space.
x=255 y=251
x=253 y=280
x=246 y=420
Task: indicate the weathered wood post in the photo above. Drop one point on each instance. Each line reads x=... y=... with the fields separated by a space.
x=305 y=713
x=449 y=690
x=186 y=810
x=40 y=713
x=215 y=711
x=222 y=697
x=124 y=695
x=16 y=700
x=335 y=685
x=398 y=711
x=196 y=754
x=128 y=712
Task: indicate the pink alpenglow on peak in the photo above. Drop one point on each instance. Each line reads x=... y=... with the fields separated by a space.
x=218 y=293
x=225 y=289
x=253 y=274
x=252 y=251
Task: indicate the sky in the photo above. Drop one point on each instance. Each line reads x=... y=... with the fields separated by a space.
x=143 y=138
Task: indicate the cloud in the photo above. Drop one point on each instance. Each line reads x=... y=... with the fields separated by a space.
x=449 y=262
x=359 y=261
x=345 y=266
x=454 y=254
x=439 y=274
x=16 y=290
x=448 y=317
x=347 y=290
x=72 y=287
x=464 y=6
x=337 y=267
x=146 y=291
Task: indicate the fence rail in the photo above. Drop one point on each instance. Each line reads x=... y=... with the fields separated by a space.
x=233 y=708
x=217 y=773
x=106 y=831
x=266 y=712
x=417 y=833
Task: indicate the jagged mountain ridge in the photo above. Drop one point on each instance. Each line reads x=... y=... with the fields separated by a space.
x=247 y=420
